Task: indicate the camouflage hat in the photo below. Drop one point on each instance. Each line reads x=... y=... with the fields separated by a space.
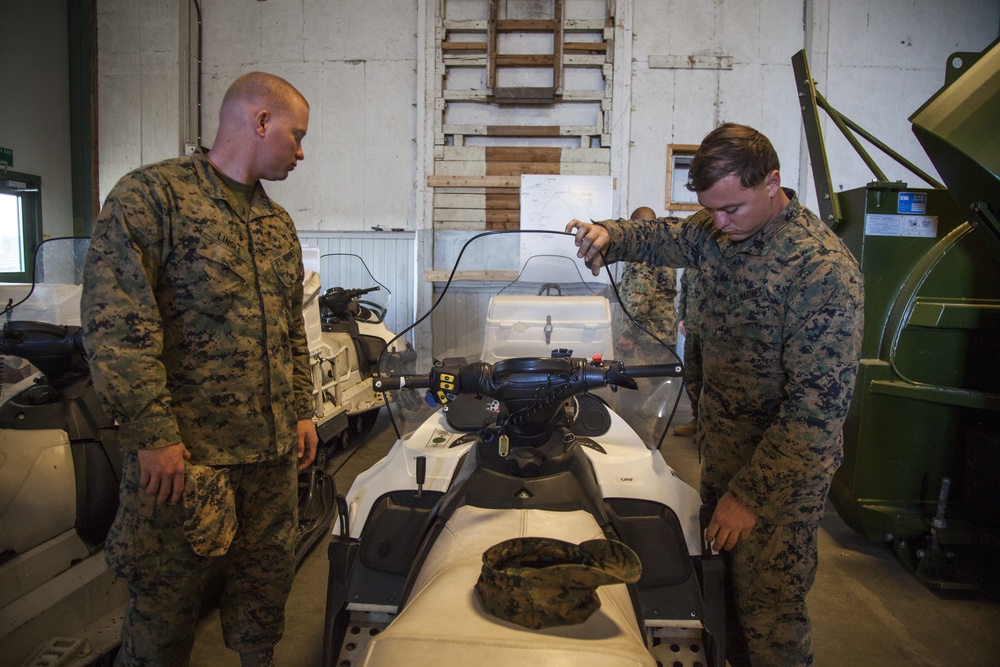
x=539 y=582
x=209 y=509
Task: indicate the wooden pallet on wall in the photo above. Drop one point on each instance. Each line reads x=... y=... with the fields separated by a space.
x=478 y=165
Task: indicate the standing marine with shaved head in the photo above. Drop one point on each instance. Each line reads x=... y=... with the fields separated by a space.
x=192 y=311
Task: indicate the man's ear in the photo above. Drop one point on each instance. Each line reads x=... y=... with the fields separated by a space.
x=773 y=182
x=261 y=121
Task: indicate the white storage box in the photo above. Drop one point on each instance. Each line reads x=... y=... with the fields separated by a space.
x=52 y=303
x=533 y=326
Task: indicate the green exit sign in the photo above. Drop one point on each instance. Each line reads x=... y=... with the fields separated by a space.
x=6 y=157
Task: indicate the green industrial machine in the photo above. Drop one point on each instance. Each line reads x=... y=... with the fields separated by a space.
x=921 y=464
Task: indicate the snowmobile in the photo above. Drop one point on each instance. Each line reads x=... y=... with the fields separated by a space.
x=60 y=464
x=347 y=334
x=529 y=427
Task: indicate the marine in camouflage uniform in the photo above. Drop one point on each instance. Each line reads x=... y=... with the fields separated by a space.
x=193 y=326
x=781 y=333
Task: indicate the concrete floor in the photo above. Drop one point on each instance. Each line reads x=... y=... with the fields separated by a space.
x=866 y=609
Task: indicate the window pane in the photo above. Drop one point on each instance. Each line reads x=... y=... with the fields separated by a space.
x=11 y=241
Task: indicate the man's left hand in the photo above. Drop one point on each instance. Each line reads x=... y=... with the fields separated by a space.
x=308 y=440
x=731 y=522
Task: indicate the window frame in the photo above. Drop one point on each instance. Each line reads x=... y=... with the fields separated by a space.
x=28 y=188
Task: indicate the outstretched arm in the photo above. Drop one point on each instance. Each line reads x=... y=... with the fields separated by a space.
x=592 y=240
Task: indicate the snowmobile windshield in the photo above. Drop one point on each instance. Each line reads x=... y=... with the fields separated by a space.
x=53 y=296
x=523 y=294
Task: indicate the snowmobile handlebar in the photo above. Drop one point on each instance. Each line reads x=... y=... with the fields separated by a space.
x=56 y=350
x=526 y=378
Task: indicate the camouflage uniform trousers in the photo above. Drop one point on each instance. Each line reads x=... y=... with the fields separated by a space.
x=767 y=579
x=148 y=550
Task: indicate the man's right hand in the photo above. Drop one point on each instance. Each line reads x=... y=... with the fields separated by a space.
x=161 y=472
x=592 y=240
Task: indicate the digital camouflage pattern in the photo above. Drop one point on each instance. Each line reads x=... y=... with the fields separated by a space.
x=539 y=582
x=148 y=549
x=209 y=510
x=182 y=302
x=193 y=326
x=771 y=573
x=780 y=332
x=649 y=292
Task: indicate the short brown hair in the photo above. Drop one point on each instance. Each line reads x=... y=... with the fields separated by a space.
x=732 y=149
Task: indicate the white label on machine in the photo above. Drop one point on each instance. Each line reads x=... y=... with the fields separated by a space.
x=877 y=224
x=440 y=439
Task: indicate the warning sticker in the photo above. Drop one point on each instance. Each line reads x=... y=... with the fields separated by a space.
x=440 y=438
x=877 y=224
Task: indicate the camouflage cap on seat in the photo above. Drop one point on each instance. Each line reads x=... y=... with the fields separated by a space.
x=209 y=509
x=539 y=582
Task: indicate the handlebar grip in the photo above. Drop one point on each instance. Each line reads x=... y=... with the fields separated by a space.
x=400 y=381
x=654 y=371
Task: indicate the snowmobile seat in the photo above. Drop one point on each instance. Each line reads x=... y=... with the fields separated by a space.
x=443 y=622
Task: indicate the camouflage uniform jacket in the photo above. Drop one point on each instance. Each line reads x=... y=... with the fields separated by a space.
x=781 y=334
x=648 y=292
x=690 y=303
x=193 y=316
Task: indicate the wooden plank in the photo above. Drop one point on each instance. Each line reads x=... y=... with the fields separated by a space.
x=464 y=60
x=465 y=200
x=503 y=202
x=589 y=47
x=491 y=74
x=459 y=215
x=456 y=168
x=585 y=169
x=474 y=181
x=465 y=95
x=523 y=131
x=526 y=25
x=523 y=154
x=464 y=47
x=583 y=96
x=518 y=168
x=461 y=226
x=557 y=47
x=464 y=153
x=581 y=60
x=523 y=60
x=502 y=217
x=586 y=25
x=442 y=276
x=475 y=25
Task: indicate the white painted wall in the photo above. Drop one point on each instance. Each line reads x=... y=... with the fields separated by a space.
x=34 y=102
x=354 y=60
x=138 y=70
x=876 y=61
x=357 y=63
